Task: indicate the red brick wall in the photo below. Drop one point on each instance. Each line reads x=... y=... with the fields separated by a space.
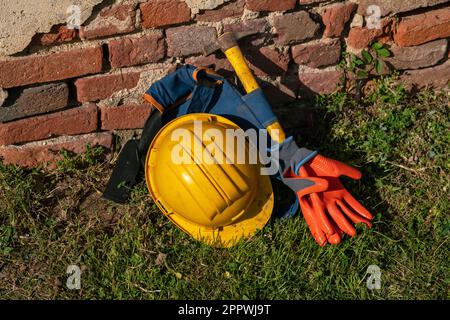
x=72 y=87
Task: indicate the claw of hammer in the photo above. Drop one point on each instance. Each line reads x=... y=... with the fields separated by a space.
x=226 y=41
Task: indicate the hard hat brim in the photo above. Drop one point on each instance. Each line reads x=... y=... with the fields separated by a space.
x=255 y=218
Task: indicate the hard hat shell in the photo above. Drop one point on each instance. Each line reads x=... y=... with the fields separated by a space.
x=203 y=189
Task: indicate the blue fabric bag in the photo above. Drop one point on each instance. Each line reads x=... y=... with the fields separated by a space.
x=193 y=90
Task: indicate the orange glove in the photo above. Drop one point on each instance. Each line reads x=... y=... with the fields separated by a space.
x=329 y=213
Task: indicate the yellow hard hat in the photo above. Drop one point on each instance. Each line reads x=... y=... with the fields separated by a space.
x=208 y=194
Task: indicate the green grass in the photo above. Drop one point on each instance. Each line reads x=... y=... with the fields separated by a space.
x=49 y=220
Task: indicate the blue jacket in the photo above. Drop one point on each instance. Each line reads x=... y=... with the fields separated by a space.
x=201 y=90
x=194 y=90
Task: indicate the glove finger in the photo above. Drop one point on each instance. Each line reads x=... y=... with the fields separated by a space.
x=336 y=237
x=358 y=207
x=346 y=170
x=319 y=212
x=353 y=216
x=316 y=232
x=324 y=166
x=336 y=228
x=340 y=220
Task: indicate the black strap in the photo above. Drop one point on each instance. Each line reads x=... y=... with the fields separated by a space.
x=125 y=173
x=128 y=170
x=151 y=128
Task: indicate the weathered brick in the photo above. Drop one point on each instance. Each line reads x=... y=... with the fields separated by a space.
x=48 y=152
x=335 y=17
x=323 y=82
x=158 y=13
x=422 y=28
x=103 y=86
x=317 y=54
x=21 y=71
x=130 y=116
x=132 y=51
x=72 y=121
x=115 y=19
x=311 y=1
x=260 y=25
x=295 y=27
x=437 y=77
x=270 y=5
x=268 y=61
x=361 y=37
x=230 y=10
x=58 y=34
x=425 y=55
x=187 y=40
x=36 y=100
x=390 y=6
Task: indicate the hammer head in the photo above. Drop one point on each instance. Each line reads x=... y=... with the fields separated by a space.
x=226 y=41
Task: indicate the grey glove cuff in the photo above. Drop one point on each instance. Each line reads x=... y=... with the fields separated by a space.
x=290 y=155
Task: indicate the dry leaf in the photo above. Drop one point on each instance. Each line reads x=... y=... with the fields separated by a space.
x=160 y=259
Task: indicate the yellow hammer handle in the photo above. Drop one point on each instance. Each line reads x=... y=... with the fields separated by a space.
x=243 y=72
x=245 y=75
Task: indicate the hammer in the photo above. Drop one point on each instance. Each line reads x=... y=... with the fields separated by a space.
x=228 y=43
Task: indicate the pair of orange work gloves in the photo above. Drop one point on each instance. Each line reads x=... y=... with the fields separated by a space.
x=328 y=208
